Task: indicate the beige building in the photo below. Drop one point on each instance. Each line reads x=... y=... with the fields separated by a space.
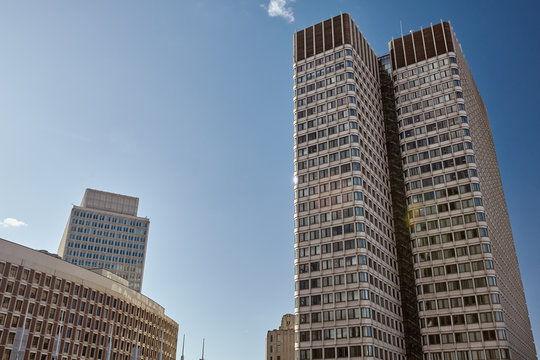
x=280 y=342
x=470 y=295
x=51 y=309
x=105 y=232
x=347 y=287
x=403 y=246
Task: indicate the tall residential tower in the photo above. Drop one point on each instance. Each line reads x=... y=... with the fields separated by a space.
x=403 y=247
x=470 y=294
x=347 y=294
x=105 y=232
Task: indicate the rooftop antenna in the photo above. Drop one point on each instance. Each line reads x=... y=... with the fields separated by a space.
x=202 y=349
x=183 y=342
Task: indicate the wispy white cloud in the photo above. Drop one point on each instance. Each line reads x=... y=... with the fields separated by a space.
x=11 y=222
x=279 y=8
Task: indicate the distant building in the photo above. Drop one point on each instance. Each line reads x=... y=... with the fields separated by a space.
x=105 y=232
x=51 y=309
x=280 y=343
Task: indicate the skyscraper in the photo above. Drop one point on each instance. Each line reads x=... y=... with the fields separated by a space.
x=346 y=267
x=402 y=239
x=468 y=281
x=105 y=232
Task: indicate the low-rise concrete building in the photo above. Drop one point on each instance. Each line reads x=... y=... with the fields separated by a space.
x=52 y=309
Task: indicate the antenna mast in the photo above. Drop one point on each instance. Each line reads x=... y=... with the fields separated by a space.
x=202 y=349
x=183 y=342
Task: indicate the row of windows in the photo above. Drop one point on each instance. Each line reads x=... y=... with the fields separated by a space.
x=330 y=231
x=465 y=301
x=456 y=134
x=424 y=92
x=462 y=268
x=447 y=222
x=442 y=193
x=326 y=119
x=325 y=82
x=324 y=70
x=433 y=114
x=78 y=245
x=456 y=285
x=84 y=245
x=349 y=352
x=449 y=237
x=439 y=125
x=464 y=337
x=347 y=245
x=115 y=265
x=344 y=333
x=321 y=96
x=443 y=124
x=457 y=319
x=325 y=93
x=118 y=235
x=331 y=105
x=328 y=132
x=112 y=219
x=426 y=79
x=440 y=179
x=345 y=168
x=335 y=199
x=342 y=296
x=333 y=185
x=353 y=313
x=443 y=208
x=348 y=296
x=424 y=104
x=340 y=114
x=330 y=158
x=329 y=216
x=440 y=165
x=342 y=279
x=451 y=253
x=322 y=60
x=445 y=150
x=49 y=282
x=97 y=240
x=421 y=69
x=108 y=226
x=490 y=354
x=77 y=257
x=344 y=154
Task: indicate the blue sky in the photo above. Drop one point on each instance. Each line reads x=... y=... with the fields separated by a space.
x=188 y=105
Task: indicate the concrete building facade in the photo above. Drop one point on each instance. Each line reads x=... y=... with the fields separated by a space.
x=51 y=309
x=105 y=232
x=470 y=294
x=347 y=294
x=403 y=246
x=280 y=342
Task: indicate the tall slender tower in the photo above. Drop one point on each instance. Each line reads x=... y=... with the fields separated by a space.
x=403 y=246
x=347 y=293
x=105 y=232
x=470 y=294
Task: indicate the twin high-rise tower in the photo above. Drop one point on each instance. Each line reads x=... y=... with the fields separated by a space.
x=403 y=246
